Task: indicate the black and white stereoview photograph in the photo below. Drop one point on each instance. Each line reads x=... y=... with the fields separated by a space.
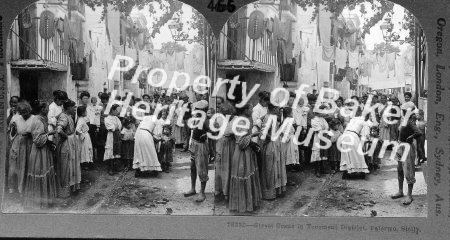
x=305 y=108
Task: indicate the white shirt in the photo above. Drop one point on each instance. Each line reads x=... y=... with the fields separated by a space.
x=90 y=110
x=258 y=113
x=300 y=115
x=53 y=112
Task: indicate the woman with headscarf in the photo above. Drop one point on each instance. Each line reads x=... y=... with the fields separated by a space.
x=68 y=169
x=40 y=189
x=244 y=169
x=20 y=147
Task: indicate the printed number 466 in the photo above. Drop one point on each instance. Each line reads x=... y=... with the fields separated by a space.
x=221 y=7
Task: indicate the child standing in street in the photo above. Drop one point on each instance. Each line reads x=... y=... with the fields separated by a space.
x=422 y=125
x=334 y=155
x=127 y=135
x=166 y=147
x=318 y=156
x=113 y=142
x=84 y=140
x=211 y=142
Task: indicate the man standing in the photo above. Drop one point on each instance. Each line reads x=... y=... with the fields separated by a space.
x=199 y=154
x=406 y=169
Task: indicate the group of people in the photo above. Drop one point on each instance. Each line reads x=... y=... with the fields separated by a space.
x=251 y=168
x=50 y=144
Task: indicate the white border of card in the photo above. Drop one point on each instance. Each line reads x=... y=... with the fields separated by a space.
x=432 y=15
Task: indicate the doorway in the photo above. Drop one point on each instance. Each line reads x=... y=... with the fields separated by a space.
x=237 y=93
x=28 y=85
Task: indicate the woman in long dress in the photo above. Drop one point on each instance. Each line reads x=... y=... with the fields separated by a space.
x=145 y=156
x=351 y=161
x=40 y=189
x=225 y=146
x=68 y=168
x=245 y=188
x=113 y=148
x=20 y=147
x=273 y=172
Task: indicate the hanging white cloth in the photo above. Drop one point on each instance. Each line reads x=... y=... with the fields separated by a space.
x=341 y=58
x=353 y=59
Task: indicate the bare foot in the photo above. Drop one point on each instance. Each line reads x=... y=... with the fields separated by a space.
x=201 y=198
x=397 y=195
x=190 y=193
x=408 y=200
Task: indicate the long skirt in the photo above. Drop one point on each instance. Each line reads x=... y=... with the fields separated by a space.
x=273 y=173
x=127 y=149
x=68 y=172
x=421 y=147
x=145 y=157
x=290 y=153
x=245 y=188
x=352 y=161
x=334 y=154
x=113 y=147
x=224 y=156
x=385 y=133
x=85 y=148
x=178 y=134
x=40 y=190
x=18 y=158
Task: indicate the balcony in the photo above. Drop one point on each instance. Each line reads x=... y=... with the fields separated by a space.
x=238 y=52
x=28 y=50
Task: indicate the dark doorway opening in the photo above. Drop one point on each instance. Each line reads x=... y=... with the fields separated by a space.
x=28 y=85
x=237 y=93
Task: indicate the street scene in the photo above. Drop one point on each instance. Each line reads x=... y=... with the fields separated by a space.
x=372 y=53
x=71 y=148
x=296 y=108
x=101 y=193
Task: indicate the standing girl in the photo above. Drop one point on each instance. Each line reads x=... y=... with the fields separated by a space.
x=211 y=142
x=288 y=149
x=334 y=155
x=318 y=156
x=113 y=143
x=84 y=140
x=127 y=135
x=166 y=147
